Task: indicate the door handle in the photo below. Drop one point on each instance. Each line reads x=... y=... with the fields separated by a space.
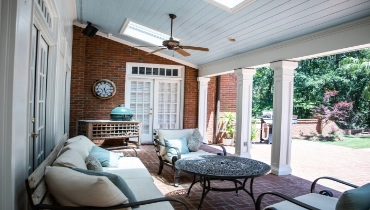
x=34 y=134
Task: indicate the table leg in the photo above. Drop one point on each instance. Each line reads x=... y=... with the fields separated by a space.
x=191 y=185
x=204 y=193
x=236 y=187
x=250 y=193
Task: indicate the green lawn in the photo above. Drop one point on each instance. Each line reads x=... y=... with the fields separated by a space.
x=355 y=142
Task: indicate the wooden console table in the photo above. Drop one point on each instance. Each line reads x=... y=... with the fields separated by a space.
x=108 y=129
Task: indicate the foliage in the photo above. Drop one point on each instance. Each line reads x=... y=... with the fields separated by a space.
x=229 y=122
x=254 y=130
x=348 y=73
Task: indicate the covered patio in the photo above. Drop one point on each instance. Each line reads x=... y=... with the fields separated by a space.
x=48 y=68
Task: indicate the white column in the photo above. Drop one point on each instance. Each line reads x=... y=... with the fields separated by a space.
x=282 y=116
x=244 y=112
x=202 y=107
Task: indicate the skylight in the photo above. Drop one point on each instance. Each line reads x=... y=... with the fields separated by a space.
x=230 y=5
x=144 y=33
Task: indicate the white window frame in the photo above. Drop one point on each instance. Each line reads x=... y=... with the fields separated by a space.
x=234 y=9
x=181 y=76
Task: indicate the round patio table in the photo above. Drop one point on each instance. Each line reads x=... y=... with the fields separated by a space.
x=229 y=168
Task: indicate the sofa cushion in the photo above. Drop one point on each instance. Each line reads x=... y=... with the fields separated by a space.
x=358 y=199
x=116 y=180
x=172 y=134
x=105 y=157
x=92 y=163
x=129 y=168
x=145 y=189
x=179 y=143
x=312 y=199
x=195 y=140
x=190 y=154
x=71 y=159
x=72 y=188
x=81 y=144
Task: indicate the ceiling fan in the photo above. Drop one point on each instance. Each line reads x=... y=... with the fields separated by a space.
x=174 y=45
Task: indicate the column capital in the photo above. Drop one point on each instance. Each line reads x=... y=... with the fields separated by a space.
x=245 y=72
x=203 y=79
x=290 y=65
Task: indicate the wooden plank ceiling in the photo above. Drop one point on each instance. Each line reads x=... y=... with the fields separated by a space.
x=199 y=23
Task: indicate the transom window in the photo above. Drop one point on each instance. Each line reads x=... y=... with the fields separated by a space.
x=149 y=71
x=144 y=33
x=230 y=5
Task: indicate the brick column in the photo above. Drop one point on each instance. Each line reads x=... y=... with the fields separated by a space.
x=282 y=116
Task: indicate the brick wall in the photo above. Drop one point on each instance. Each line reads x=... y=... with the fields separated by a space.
x=100 y=58
x=228 y=93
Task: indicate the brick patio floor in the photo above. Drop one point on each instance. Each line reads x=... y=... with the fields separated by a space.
x=310 y=160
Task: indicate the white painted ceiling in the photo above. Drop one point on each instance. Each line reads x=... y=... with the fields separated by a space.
x=199 y=23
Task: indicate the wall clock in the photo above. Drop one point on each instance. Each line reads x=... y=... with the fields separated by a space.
x=104 y=89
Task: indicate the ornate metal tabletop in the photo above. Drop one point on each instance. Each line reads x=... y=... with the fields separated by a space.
x=215 y=166
x=228 y=168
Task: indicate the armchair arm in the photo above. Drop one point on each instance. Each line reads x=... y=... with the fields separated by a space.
x=122 y=147
x=333 y=179
x=223 y=150
x=290 y=199
x=156 y=200
x=178 y=156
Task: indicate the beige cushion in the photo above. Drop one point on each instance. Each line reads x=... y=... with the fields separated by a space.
x=70 y=158
x=173 y=134
x=81 y=144
x=312 y=199
x=128 y=168
x=190 y=154
x=72 y=188
x=145 y=189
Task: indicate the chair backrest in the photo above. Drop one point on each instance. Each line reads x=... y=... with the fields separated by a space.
x=172 y=134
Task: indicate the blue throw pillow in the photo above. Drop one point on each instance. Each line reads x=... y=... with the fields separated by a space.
x=179 y=143
x=105 y=157
x=115 y=179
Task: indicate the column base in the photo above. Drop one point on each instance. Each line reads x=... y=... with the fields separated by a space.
x=243 y=155
x=283 y=170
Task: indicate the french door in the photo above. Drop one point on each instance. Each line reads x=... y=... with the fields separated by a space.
x=154 y=102
x=37 y=99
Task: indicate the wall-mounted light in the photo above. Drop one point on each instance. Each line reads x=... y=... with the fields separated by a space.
x=90 y=30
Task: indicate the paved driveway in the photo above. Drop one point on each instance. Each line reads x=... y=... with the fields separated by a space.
x=311 y=160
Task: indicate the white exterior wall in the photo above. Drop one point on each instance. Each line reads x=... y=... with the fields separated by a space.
x=16 y=19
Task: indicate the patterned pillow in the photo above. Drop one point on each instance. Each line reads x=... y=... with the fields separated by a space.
x=92 y=163
x=195 y=140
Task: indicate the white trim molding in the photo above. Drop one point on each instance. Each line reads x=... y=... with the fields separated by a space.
x=244 y=112
x=202 y=107
x=282 y=120
x=326 y=42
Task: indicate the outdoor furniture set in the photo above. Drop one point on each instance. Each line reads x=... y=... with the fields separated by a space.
x=62 y=181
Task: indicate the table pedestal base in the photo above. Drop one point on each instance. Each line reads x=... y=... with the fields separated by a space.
x=205 y=182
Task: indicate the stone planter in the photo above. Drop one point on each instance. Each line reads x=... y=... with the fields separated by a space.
x=227 y=141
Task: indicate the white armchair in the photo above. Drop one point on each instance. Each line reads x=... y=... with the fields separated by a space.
x=170 y=160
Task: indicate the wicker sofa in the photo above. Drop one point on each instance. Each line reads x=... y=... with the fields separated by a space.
x=67 y=192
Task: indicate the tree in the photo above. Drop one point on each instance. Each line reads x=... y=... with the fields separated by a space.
x=325 y=112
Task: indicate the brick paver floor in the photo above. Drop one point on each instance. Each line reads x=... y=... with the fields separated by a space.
x=310 y=160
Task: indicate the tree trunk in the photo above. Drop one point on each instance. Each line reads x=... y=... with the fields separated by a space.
x=319 y=126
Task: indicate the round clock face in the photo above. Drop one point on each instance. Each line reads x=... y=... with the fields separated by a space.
x=104 y=89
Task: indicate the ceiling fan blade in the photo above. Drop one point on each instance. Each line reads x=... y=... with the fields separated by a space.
x=182 y=52
x=156 y=51
x=194 y=48
x=148 y=46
